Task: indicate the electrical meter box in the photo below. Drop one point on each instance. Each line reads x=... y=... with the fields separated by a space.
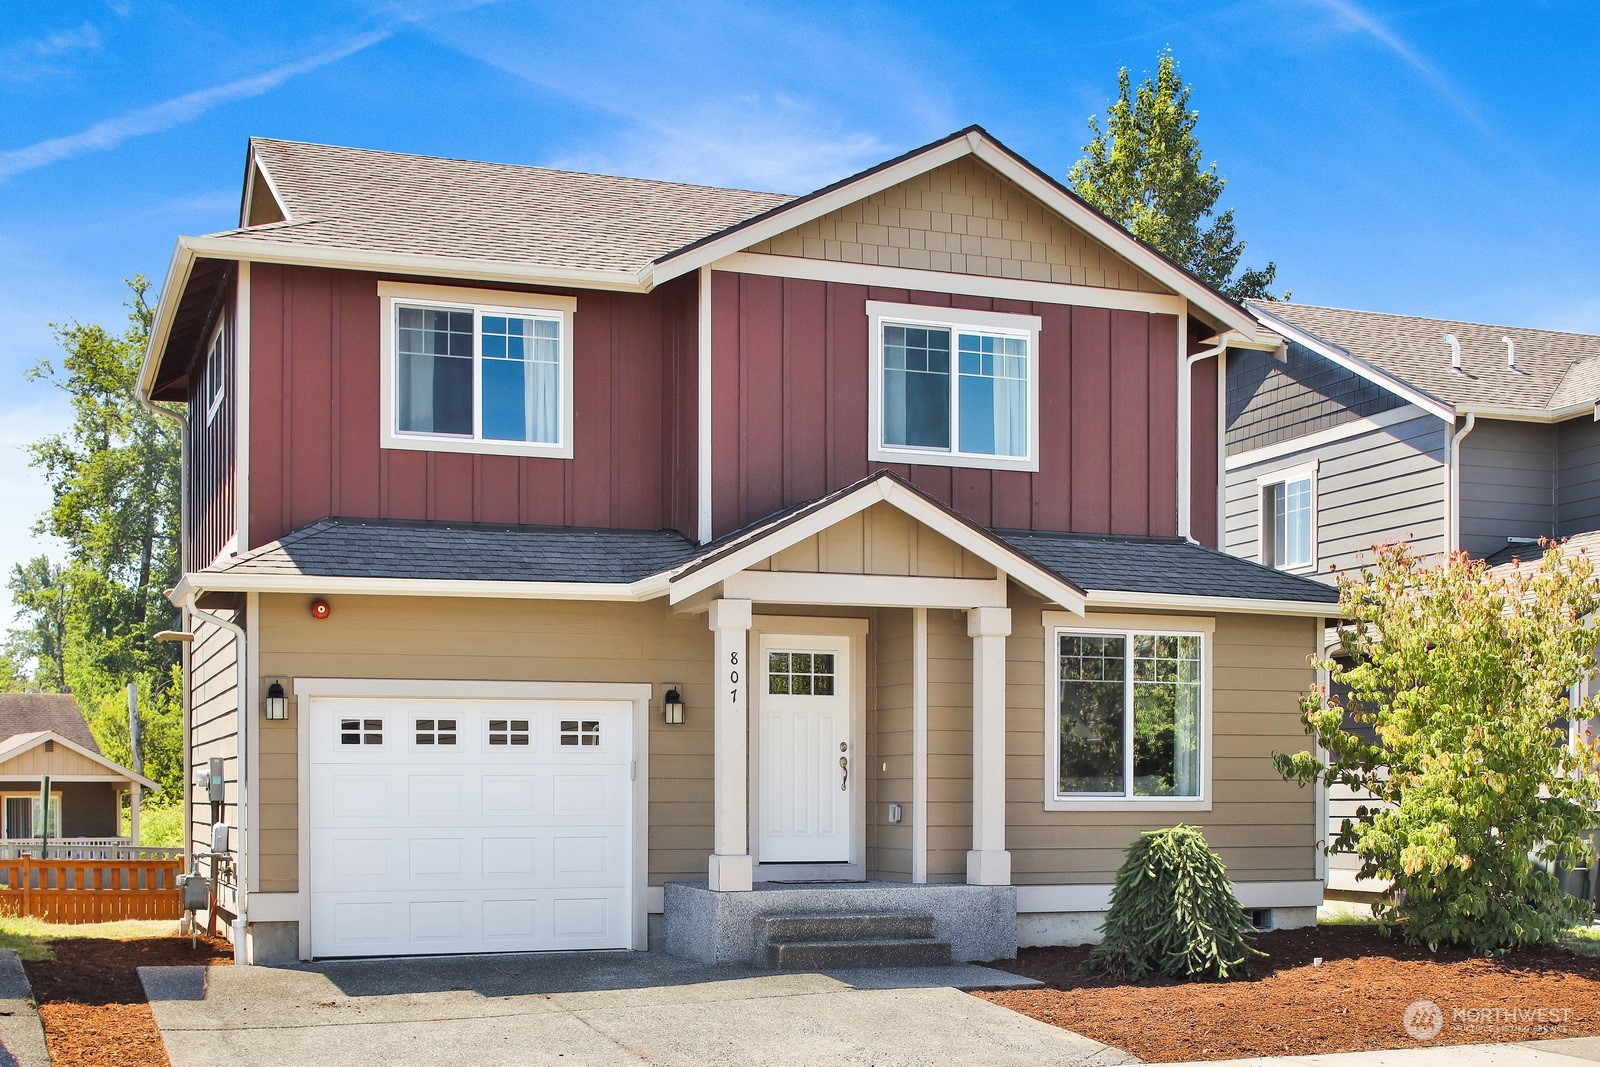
x=218 y=787
x=194 y=892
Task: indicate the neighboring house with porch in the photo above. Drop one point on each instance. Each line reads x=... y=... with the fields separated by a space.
x=44 y=736
x=1369 y=428
x=584 y=562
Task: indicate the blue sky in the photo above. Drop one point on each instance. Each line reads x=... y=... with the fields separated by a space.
x=1431 y=158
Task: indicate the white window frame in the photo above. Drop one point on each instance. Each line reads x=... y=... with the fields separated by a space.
x=1057 y=623
x=216 y=375
x=55 y=799
x=1283 y=476
x=880 y=313
x=479 y=302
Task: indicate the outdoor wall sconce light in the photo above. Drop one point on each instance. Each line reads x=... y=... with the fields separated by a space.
x=672 y=708
x=277 y=702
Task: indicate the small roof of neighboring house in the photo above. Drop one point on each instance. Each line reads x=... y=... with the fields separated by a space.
x=1529 y=553
x=58 y=713
x=15 y=746
x=1556 y=372
x=635 y=564
x=365 y=200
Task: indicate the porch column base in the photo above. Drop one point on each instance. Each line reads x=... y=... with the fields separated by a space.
x=989 y=867
x=736 y=874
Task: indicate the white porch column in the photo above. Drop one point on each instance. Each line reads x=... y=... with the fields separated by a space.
x=989 y=863
x=731 y=868
x=134 y=789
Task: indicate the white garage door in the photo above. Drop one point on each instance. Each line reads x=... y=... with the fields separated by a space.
x=469 y=825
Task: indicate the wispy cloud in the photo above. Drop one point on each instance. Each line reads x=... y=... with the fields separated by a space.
x=111 y=132
x=1354 y=16
x=29 y=60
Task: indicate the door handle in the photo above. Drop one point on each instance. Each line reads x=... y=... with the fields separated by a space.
x=844 y=771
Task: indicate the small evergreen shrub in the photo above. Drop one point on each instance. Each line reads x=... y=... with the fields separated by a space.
x=1173 y=913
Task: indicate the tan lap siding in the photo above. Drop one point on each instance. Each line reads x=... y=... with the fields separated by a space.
x=889 y=759
x=501 y=640
x=1263 y=827
x=214 y=719
x=949 y=746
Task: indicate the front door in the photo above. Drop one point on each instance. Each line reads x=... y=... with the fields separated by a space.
x=807 y=773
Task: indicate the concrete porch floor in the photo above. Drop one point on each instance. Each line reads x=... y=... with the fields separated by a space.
x=595 y=1008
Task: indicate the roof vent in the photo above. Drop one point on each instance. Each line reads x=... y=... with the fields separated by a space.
x=1511 y=355
x=1455 y=353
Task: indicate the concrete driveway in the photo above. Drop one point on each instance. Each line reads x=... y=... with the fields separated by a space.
x=595 y=1009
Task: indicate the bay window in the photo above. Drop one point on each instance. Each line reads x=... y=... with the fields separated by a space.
x=477 y=371
x=954 y=388
x=1128 y=713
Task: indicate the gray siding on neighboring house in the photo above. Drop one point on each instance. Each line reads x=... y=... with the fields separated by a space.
x=1272 y=400
x=1577 y=476
x=1508 y=483
x=1379 y=485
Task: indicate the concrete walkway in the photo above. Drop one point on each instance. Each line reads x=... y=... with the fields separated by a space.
x=21 y=1033
x=596 y=1009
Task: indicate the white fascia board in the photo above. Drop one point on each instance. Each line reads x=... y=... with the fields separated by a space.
x=172 y=287
x=828 y=270
x=1505 y=414
x=259 y=167
x=263 y=251
x=645 y=589
x=1223 y=605
x=865 y=590
x=1356 y=365
x=788 y=217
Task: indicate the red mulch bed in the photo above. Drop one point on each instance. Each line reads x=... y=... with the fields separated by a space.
x=93 y=1006
x=1354 y=1002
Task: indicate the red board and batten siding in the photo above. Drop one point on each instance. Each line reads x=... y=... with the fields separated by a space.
x=212 y=443
x=789 y=411
x=315 y=374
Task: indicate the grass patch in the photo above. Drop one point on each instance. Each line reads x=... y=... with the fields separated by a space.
x=1584 y=940
x=1344 y=913
x=31 y=937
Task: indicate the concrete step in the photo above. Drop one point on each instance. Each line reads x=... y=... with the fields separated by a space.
x=784 y=929
x=875 y=952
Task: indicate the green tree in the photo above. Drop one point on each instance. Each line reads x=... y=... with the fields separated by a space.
x=1144 y=171
x=114 y=482
x=39 y=594
x=1464 y=675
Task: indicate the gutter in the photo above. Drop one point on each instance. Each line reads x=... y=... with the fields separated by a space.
x=242 y=772
x=1186 y=364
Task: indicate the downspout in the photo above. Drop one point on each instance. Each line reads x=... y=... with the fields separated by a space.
x=1185 y=435
x=1453 y=463
x=241 y=872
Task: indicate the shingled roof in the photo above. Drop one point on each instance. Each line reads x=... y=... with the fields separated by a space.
x=1555 y=370
x=31 y=713
x=388 y=202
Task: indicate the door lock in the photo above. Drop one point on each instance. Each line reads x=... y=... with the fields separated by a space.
x=844 y=771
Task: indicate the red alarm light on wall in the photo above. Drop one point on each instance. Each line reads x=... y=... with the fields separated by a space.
x=320 y=609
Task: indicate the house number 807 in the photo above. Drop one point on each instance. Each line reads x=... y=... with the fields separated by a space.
x=733 y=676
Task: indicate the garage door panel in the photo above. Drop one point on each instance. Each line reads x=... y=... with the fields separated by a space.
x=470 y=825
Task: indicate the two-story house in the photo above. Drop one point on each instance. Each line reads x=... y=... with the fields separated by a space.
x=575 y=560
x=1369 y=428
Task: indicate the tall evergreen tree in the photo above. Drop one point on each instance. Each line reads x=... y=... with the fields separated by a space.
x=1144 y=171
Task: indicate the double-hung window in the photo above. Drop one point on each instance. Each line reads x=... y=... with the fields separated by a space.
x=1128 y=718
x=477 y=371
x=954 y=388
x=1288 y=520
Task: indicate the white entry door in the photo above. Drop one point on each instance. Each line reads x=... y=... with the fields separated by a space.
x=807 y=774
x=469 y=825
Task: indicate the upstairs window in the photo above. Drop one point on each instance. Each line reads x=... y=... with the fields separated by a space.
x=477 y=371
x=954 y=388
x=1289 y=519
x=216 y=373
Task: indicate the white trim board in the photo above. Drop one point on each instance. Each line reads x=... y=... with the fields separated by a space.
x=638 y=694
x=936 y=281
x=1333 y=434
x=1049 y=899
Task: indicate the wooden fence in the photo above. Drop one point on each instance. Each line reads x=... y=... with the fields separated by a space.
x=90 y=891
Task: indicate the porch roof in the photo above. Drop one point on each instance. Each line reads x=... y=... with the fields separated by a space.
x=467 y=559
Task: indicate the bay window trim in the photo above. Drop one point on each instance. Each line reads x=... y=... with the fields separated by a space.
x=479 y=302
x=1302 y=471
x=1059 y=623
x=953 y=319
